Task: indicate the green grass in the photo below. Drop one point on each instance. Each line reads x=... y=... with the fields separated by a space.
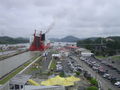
x=53 y=65
x=31 y=69
x=34 y=69
x=8 y=77
x=101 y=57
x=112 y=57
x=1 y=51
x=115 y=57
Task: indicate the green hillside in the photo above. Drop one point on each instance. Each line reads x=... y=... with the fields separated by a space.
x=10 y=40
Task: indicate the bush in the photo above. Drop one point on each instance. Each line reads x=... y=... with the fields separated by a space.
x=77 y=73
x=93 y=81
x=62 y=74
x=92 y=88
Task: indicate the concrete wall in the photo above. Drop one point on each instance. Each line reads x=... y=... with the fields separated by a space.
x=7 y=65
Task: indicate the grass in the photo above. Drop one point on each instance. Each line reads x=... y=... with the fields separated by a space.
x=115 y=57
x=12 y=74
x=31 y=69
x=34 y=69
x=53 y=65
x=112 y=57
x=8 y=77
x=101 y=57
x=2 y=50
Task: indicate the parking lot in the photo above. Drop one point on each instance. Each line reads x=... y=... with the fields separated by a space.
x=107 y=72
x=107 y=75
x=69 y=66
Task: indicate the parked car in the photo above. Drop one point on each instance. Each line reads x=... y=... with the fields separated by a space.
x=59 y=62
x=59 y=68
x=109 y=77
x=106 y=75
x=87 y=75
x=117 y=83
x=113 y=80
x=95 y=68
x=101 y=70
x=118 y=71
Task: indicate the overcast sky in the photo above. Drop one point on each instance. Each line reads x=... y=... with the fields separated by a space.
x=80 y=18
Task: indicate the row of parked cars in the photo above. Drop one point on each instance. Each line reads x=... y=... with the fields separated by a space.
x=74 y=67
x=111 y=66
x=94 y=65
x=101 y=70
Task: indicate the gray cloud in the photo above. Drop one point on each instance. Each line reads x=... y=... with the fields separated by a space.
x=81 y=18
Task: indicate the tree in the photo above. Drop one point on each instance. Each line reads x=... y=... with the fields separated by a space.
x=93 y=81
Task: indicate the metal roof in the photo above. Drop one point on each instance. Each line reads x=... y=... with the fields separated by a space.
x=20 y=79
x=30 y=87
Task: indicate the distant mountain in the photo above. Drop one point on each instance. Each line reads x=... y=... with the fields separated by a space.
x=10 y=40
x=65 y=39
x=69 y=39
x=54 y=39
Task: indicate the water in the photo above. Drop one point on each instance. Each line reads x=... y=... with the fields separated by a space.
x=64 y=43
x=11 y=63
x=7 y=52
x=14 y=45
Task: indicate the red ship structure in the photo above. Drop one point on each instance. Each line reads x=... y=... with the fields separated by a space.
x=38 y=43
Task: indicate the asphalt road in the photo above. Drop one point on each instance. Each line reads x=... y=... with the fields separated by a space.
x=105 y=84
x=46 y=61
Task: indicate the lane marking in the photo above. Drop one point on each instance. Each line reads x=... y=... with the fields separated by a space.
x=29 y=65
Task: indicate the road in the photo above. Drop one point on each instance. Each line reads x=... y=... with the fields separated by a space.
x=104 y=83
x=9 y=64
x=46 y=61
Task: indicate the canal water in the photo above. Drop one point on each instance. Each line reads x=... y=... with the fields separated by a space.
x=7 y=52
x=7 y=65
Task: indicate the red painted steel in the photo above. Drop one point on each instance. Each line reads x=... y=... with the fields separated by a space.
x=37 y=44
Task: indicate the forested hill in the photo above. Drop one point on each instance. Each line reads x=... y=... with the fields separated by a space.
x=10 y=40
x=104 y=46
x=65 y=39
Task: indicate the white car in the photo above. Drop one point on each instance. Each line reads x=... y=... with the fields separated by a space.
x=59 y=62
x=117 y=83
x=95 y=68
x=59 y=68
x=106 y=75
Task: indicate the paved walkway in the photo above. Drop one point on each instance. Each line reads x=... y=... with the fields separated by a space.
x=45 y=62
